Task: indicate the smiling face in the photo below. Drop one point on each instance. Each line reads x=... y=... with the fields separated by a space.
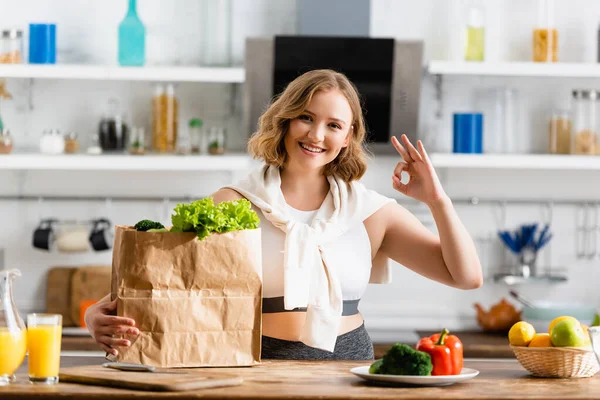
x=316 y=137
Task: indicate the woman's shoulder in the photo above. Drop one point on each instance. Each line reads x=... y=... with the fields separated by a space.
x=226 y=194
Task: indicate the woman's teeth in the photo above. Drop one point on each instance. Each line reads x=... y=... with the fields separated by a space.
x=311 y=149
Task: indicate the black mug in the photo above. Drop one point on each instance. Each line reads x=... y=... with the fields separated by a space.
x=100 y=237
x=43 y=236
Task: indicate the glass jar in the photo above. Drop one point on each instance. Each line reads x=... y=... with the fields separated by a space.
x=216 y=46
x=137 y=144
x=216 y=141
x=559 y=132
x=11 y=47
x=52 y=142
x=164 y=119
x=71 y=143
x=585 y=134
x=475 y=32
x=545 y=34
x=112 y=130
x=196 y=137
x=6 y=142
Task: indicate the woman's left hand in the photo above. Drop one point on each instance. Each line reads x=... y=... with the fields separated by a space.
x=424 y=184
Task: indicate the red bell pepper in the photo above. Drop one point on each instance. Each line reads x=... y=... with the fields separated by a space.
x=446 y=352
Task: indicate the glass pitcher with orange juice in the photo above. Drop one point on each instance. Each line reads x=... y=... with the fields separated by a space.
x=13 y=335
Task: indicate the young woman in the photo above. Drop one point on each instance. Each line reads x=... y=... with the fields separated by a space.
x=324 y=235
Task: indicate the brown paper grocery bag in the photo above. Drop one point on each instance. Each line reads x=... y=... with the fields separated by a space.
x=196 y=303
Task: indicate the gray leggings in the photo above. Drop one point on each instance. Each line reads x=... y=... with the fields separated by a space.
x=353 y=345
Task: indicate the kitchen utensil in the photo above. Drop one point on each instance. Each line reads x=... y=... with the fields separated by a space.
x=140 y=368
x=102 y=376
x=586 y=225
x=521 y=299
x=439 y=380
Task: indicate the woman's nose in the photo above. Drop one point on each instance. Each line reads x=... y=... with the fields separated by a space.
x=317 y=133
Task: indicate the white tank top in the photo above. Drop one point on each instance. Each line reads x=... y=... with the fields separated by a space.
x=349 y=255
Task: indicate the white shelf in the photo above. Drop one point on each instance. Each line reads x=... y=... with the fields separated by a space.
x=518 y=161
x=516 y=69
x=104 y=162
x=93 y=72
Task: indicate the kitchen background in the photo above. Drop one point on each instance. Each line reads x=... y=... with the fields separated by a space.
x=177 y=36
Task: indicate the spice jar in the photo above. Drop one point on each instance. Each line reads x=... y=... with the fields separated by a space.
x=137 y=145
x=11 y=47
x=71 y=143
x=216 y=141
x=559 y=132
x=585 y=122
x=6 y=142
x=196 y=137
x=52 y=142
x=545 y=34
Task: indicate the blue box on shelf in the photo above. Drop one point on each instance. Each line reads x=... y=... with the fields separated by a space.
x=468 y=133
x=42 y=43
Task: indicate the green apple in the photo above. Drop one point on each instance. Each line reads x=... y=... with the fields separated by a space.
x=568 y=333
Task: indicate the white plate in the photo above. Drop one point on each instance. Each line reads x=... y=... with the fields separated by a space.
x=442 y=380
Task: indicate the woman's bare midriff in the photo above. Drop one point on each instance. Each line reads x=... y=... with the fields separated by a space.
x=288 y=325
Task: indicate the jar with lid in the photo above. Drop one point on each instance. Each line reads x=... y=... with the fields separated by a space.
x=6 y=142
x=112 y=130
x=71 y=143
x=559 y=132
x=216 y=141
x=196 y=136
x=164 y=119
x=11 y=47
x=585 y=133
x=475 y=32
x=545 y=33
x=52 y=142
x=137 y=144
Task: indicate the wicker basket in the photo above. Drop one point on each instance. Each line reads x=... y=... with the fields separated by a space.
x=558 y=362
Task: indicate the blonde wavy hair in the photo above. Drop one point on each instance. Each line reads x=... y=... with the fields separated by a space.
x=268 y=142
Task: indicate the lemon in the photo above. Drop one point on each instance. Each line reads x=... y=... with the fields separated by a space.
x=541 y=340
x=521 y=334
x=557 y=320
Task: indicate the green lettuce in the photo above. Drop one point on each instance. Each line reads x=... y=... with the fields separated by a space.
x=204 y=217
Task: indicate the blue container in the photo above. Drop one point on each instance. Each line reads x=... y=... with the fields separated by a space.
x=468 y=133
x=42 y=43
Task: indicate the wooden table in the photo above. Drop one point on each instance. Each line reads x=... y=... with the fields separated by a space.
x=498 y=379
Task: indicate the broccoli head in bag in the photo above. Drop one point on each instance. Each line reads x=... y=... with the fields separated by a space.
x=402 y=359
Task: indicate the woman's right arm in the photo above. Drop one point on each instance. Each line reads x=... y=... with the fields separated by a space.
x=102 y=325
x=99 y=318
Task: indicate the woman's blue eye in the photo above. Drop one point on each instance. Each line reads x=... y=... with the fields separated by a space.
x=336 y=126
x=304 y=117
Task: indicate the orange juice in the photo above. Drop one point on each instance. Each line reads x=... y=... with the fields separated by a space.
x=43 y=342
x=13 y=346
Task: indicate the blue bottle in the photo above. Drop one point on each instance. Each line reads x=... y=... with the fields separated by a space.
x=132 y=38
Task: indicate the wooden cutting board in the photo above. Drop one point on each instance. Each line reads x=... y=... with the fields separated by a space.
x=184 y=379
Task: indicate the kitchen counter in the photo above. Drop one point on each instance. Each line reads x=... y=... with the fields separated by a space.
x=498 y=379
x=476 y=344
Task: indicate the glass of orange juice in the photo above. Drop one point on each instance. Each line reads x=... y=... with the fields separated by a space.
x=44 y=333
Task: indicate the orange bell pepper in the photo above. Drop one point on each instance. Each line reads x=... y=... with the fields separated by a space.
x=446 y=352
